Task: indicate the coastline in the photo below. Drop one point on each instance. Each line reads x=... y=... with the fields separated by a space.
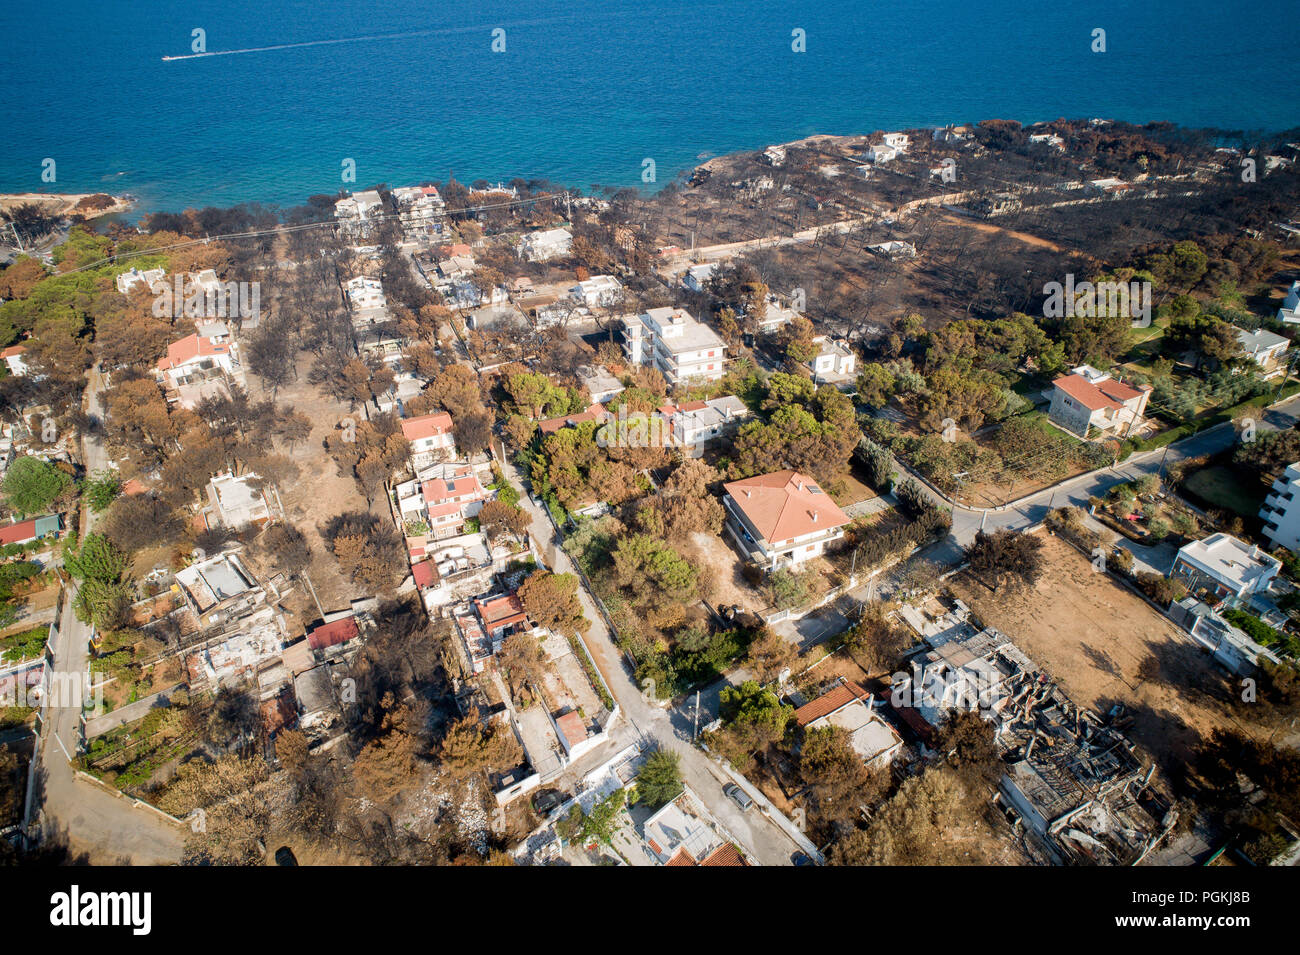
x=68 y=203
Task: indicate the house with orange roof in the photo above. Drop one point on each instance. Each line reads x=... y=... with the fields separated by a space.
x=1088 y=399
x=501 y=615
x=850 y=707
x=594 y=412
x=781 y=519
x=195 y=357
x=444 y=503
x=13 y=356
x=196 y=367
x=431 y=438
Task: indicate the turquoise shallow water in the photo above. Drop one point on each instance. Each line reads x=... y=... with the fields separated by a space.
x=584 y=92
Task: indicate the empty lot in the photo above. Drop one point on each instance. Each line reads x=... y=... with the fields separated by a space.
x=1093 y=635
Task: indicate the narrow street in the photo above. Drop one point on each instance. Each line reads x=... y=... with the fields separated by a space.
x=761 y=838
x=87 y=816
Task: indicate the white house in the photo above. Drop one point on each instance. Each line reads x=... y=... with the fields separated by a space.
x=950 y=134
x=898 y=141
x=1225 y=567
x=696 y=278
x=152 y=279
x=1088 y=398
x=1265 y=349
x=671 y=340
x=782 y=519
x=880 y=153
x=696 y=423
x=600 y=384
x=431 y=438
x=775 y=317
x=546 y=245
x=834 y=362
x=1280 y=512
x=1290 y=310
x=366 y=300
x=893 y=249
x=599 y=291
x=1048 y=139
x=235 y=502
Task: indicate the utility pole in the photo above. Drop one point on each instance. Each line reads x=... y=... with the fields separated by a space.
x=1285 y=375
x=696 y=730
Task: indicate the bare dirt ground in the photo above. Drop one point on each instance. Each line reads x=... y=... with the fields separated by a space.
x=320 y=492
x=721 y=577
x=1092 y=634
x=990 y=228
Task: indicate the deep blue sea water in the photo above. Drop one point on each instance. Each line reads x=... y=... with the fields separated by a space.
x=585 y=90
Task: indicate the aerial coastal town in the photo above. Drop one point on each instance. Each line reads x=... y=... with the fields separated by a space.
x=927 y=497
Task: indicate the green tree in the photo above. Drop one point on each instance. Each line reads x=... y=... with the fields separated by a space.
x=32 y=485
x=660 y=779
x=101 y=490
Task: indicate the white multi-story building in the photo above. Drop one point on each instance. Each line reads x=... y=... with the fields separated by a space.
x=671 y=340
x=1280 y=512
x=1224 y=566
x=356 y=212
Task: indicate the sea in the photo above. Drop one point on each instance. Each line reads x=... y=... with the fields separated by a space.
x=586 y=94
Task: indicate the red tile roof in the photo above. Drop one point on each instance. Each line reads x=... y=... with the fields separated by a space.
x=425 y=573
x=680 y=857
x=503 y=611
x=334 y=633
x=572 y=727
x=426 y=426
x=191 y=348
x=833 y=699
x=1109 y=393
x=593 y=413
x=18 y=533
x=725 y=855
x=13 y=350
x=439 y=491
x=785 y=504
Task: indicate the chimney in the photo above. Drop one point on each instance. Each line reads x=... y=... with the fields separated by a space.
x=814 y=516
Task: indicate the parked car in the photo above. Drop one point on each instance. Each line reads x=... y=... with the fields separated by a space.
x=738 y=796
x=546 y=799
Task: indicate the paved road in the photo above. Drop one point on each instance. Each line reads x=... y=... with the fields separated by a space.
x=967 y=521
x=108 y=828
x=762 y=838
x=1031 y=510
